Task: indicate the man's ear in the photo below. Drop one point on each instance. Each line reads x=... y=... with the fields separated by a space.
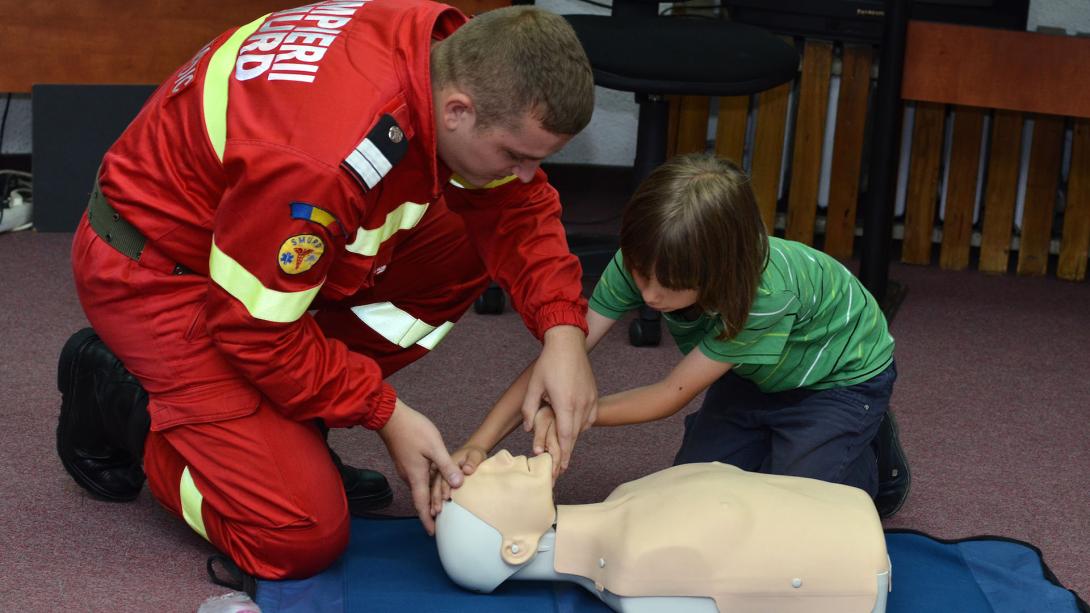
x=456 y=107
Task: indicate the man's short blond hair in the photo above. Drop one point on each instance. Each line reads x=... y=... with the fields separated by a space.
x=515 y=60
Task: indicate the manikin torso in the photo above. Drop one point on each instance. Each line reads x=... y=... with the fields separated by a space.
x=692 y=538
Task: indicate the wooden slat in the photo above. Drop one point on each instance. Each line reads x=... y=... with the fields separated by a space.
x=1001 y=191
x=672 y=125
x=957 y=224
x=851 y=119
x=817 y=66
x=692 y=129
x=768 y=150
x=994 y=68
x=923 y=182
x=730 y=129
x=107 y=41
x=1075 y=243
x=1040 y=205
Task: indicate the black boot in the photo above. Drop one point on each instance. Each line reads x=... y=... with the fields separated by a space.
x=894 y=476
x=366 y=490
x=222 y=570
x=104 y=419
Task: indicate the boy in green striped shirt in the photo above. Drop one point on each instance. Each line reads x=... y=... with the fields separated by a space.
x=794 y=352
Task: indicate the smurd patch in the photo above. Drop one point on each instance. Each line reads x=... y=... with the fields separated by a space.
x=300 y=253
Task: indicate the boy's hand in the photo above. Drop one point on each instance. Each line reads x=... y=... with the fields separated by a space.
x=415 y=445
x=545 y=439
x=467 y=458
x=563 y=373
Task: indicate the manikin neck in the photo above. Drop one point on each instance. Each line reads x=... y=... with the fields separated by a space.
x=541 y=566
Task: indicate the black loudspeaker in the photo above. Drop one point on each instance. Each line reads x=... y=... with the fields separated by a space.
x=73 y=126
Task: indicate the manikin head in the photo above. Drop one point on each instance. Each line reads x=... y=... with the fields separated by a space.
x=509 y=88
x=495 y=521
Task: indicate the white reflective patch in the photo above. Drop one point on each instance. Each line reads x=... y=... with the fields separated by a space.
x=363 y=168
x=373 y=155
x=399 y=327
x=368 y=162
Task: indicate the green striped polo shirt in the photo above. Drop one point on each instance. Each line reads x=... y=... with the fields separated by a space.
x=812 y=325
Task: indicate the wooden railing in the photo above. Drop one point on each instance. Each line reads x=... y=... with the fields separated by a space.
x=976 y=72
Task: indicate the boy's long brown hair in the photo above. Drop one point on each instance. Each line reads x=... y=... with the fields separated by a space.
x=693 y=224
x=519 y=59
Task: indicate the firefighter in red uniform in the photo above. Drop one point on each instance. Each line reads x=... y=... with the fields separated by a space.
x=305 y=207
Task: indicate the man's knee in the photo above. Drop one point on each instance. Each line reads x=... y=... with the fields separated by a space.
x=295 y=552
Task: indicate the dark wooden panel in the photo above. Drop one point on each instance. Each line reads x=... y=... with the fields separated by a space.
x=851 y=119
x=730 y=129
x=673 y=125
x=1041 y=181
x=993 y=68
x=1076 y=234
x=692 y=129
x=957 y=224
x=1001 y=191
x=106 y=41
x=817 y=65
x=923 y=182
x=768 y=150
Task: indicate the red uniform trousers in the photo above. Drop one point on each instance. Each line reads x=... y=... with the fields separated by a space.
x=261 y=487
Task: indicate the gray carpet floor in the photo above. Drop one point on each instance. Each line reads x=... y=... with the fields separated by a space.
x=992 y=401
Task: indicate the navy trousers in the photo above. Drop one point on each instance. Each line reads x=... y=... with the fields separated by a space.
x=821 y=434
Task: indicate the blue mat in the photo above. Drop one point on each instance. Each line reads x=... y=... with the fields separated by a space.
x=392 y=565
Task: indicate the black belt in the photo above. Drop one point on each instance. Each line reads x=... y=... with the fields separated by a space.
x=120 y=234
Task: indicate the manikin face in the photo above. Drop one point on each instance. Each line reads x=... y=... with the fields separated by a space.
x=514 y=495
x=660 y=298
x=481 y=156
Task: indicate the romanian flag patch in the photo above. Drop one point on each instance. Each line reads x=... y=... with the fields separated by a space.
x=300 y=253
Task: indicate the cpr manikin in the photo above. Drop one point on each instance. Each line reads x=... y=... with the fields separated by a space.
x=692 y=538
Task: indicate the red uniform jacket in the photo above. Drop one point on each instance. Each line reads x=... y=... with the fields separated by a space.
x=282 y=160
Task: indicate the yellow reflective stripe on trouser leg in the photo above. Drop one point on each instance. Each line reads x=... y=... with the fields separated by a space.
x=404 y=217
x=262 y=302
x=192 y=500
x=399 y=327
x=216 y=82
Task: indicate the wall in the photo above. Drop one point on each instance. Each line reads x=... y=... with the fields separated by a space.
x=611 y=137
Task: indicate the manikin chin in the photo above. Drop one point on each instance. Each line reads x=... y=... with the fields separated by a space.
x=692 y=538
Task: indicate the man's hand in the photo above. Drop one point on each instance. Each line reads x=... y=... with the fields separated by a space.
x=467 y=458
x=545 y=439
x=414 y=444
x=562 y=374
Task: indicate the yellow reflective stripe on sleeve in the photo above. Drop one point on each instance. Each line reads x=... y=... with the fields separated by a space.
x=404 y=217
x=216 y=81
x=432 y=339
x=191 y=500
x=462 y=183
x=262 y=303
x=399 y=327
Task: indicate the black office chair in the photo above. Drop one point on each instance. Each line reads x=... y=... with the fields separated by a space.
x=635 y=49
